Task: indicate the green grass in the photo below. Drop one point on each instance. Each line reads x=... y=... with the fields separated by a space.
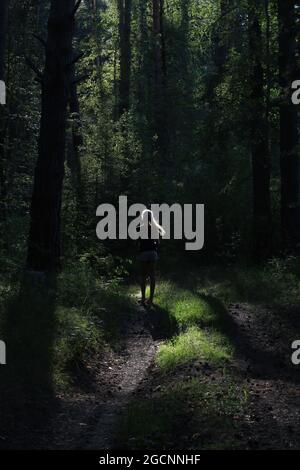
x=209 y=411
x=53 y=327
x=187 y=413
x=194 y=344
x=276 y=283
x=89 y=327
x=78 y=338
x=190 y=414
x=200 y=321
x=183 y=305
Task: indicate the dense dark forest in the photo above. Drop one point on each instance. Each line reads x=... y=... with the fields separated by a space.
x=162 y=101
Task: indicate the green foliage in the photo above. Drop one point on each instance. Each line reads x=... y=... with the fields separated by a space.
x=206 y=120
x=55 y=327
x=276 y=283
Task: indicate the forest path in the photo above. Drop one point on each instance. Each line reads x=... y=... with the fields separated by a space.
x=262 y=369
x=263 y=339
x=262 y=366
x=136 y=358
x=92 y=419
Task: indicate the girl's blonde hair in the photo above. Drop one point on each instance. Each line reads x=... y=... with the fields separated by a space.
x=153 y=221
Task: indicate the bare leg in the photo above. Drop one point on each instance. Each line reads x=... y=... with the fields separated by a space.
x=143 y=281
x=143 y=289
x=152 y=282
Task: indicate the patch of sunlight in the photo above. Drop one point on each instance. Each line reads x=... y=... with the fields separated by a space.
x=186 y=307
x=190 y=310
x=194 y=344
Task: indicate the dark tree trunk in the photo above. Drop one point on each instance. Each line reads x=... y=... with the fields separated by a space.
x=3 y=27
x=222 y=46
x=75 y=115
x=96 y=36
x=220 y=54
x=93 y=8
x=259 y=139
x=159 y=101
x=3 y=118
x=159 y=47
x=125 y=54
x=44 y=244
x=77 y=141
x=289 y=158
x=74 y=161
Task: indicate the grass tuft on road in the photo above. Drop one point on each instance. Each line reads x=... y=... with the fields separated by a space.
x=200 y=324
x=194 y=344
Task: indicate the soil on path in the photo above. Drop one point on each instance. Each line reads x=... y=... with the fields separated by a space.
x=90 y=417
x=90 y=421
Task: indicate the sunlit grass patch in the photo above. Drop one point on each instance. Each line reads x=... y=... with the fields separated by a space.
x=199 y=320
x=194 y=344
x=185 y=306
x=190 y=310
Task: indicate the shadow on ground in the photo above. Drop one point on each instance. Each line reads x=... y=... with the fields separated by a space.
x=26 y=381
x=262 y=348
x=196 y=405
x=160 y=324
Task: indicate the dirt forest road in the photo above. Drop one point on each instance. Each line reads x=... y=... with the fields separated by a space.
x=260 y=364
x=91 y=421
x=90 y=418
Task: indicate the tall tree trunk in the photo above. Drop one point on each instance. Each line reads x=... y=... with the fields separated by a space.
x=44 y=244
x=142 y=58
x=97 y=37
x=222 y=46
x=3 y=118
x=74 y=161
x=268 y=63
x=3 y=27
x=259 y=139
x=159 y=47
x=77 y=140
x=125 y=54
x=220 y=53
x=92 y=6
x=289 y=158
x=159 y=101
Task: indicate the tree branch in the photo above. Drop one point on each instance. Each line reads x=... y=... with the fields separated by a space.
x=34 y=68
x=77 y=5
x=40 y=39
x=74 y=60
x=80 y=79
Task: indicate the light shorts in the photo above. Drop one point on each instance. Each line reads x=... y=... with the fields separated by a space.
x=148 y=256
